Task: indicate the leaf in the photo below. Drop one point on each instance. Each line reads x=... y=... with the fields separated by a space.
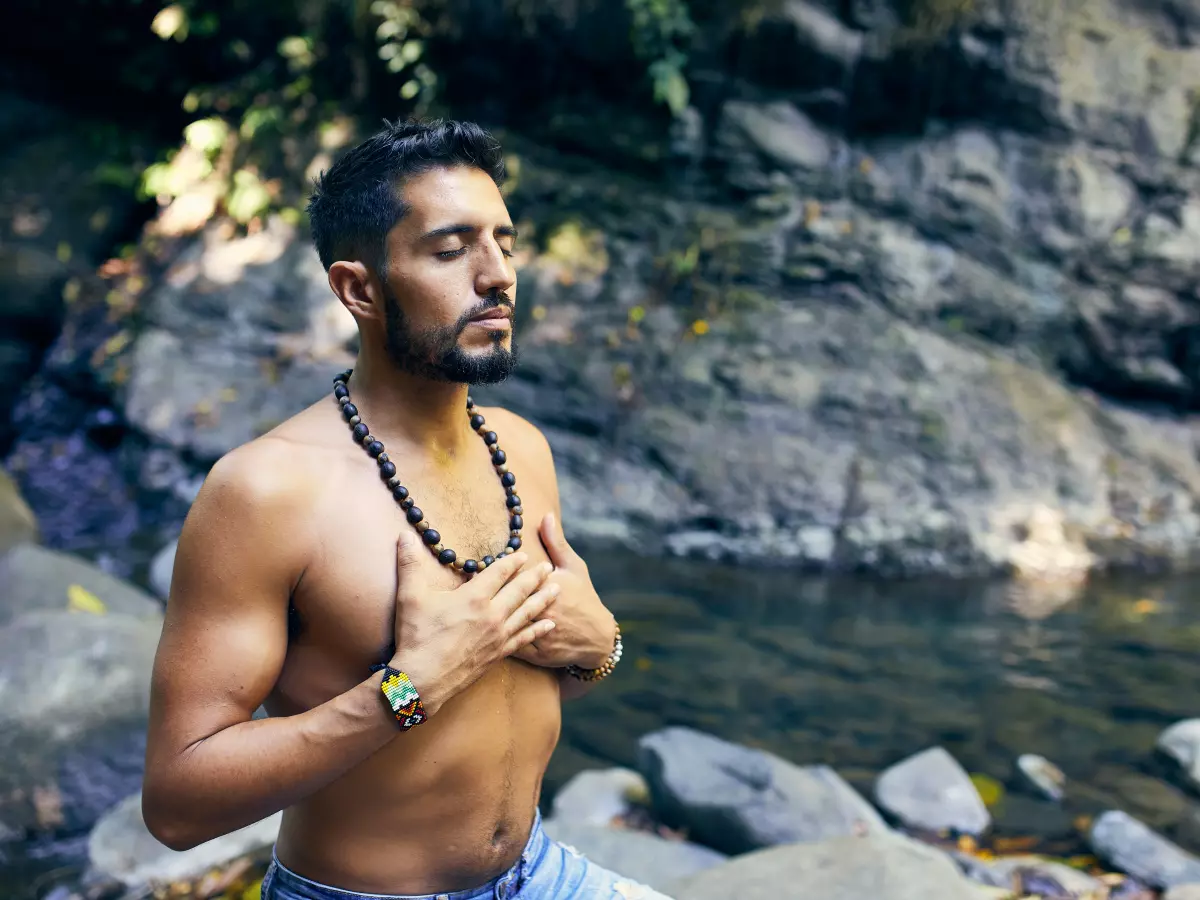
x=80 y=599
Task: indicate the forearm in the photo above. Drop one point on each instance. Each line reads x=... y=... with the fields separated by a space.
x=572 y=688
x=256 y=768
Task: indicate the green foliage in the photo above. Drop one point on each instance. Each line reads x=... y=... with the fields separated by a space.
x=927 y=22
x=660 y=34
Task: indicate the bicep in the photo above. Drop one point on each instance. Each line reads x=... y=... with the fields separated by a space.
x=224 y=635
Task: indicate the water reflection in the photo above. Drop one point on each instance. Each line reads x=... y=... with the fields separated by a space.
x=858 y=674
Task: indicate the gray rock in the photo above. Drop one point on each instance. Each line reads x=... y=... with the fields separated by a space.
x=737 y=799
x=1182 y=743
x=1013 y=871
x=882 y=867
x=932 y=791
x=1129 y=845
x=74 y=695
x=781 y=132
x=642 y=857
x=37 y=578
x=1042 y=775
x=162 y=568
x=596 y=797
x=120 y=848
x=1183 y=892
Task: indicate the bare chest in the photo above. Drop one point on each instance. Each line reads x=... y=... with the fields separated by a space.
x=344 y=606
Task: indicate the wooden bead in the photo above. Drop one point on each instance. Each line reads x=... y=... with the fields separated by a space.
x=422 y=526
x=354 y=420
x=502 y=468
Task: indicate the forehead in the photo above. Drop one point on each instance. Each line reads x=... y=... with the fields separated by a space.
x=449 y=196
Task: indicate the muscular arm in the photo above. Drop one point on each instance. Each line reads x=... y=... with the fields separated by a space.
x=210 y=768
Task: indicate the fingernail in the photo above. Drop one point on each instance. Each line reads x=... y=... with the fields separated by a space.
x=553 y=589
x=550 y=623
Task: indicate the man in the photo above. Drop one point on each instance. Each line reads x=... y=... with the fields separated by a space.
x=327 y=547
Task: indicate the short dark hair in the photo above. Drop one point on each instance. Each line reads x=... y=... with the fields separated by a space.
x=357 y=201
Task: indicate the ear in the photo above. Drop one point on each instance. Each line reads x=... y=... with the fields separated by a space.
x=357 y=288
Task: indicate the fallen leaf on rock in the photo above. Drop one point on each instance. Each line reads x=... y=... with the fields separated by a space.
x=220 y=880
x=80 y=599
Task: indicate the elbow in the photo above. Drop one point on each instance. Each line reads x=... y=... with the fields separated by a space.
x=165 y=824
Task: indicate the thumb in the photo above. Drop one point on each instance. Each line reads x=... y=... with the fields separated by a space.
x=408 y=554
x=555 y=542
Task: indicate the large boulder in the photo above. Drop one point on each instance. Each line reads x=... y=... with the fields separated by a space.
x=74 y=696
x=931 y=791
x=643 y=857
x=122 y=849
x=882 y=867
x=1132 y=847
x=38 y=578
x=1181 y=742
x=738 y=799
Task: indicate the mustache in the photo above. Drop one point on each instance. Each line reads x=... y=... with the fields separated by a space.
x=494 y=300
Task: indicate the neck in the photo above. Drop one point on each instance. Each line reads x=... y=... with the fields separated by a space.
x=402 y=408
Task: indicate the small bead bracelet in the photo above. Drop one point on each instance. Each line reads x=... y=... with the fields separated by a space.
x=604 y=670
x=401 y=695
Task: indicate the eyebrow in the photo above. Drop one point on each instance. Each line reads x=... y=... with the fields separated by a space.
x=501 y=230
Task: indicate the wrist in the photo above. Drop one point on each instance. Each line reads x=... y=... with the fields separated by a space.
x=599 y=655
x=423 y=677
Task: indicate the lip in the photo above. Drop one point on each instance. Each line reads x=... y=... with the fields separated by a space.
x=492 y=320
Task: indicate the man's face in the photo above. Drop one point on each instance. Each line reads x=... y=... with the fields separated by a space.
x=450 y=283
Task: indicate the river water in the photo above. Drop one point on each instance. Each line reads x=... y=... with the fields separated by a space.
x=858 y=674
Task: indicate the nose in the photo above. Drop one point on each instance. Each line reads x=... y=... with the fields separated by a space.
x=495 y=272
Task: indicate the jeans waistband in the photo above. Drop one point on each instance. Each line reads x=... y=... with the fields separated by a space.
x=502 y=887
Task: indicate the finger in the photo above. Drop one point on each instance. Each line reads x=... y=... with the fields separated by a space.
x=409 y=550
x=513 y=594
x=555 y=542
x=533 y=607
x=495 y=576
x=528 y=635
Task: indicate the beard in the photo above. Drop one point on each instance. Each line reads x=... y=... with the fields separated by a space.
x=434 y=353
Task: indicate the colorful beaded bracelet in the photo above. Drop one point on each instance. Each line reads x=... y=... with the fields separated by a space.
x=402 y=697
x=604 y=670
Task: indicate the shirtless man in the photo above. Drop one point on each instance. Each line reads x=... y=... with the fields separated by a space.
x=299 y=567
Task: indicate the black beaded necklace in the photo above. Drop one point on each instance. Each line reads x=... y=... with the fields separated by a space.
x=416 y=518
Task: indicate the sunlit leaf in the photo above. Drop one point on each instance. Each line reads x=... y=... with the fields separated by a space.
x=990 y=790
x=700 y=326
x=80 y=599
x=171 y=22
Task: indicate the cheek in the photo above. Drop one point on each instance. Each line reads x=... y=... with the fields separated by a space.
x=428 y=298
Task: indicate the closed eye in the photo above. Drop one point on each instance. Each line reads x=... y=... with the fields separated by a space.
x=452 y=254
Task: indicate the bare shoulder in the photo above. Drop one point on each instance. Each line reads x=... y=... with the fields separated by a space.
x=256 y=505
x=519 y=434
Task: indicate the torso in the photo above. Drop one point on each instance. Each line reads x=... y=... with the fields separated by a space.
x=449 y=804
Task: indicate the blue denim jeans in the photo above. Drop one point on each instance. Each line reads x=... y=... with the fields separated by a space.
x=547 y=870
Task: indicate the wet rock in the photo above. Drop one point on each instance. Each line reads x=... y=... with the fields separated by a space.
x=122 y=849
x=37 y=578
x=1181 y=742
x=1032 y=875
x=74 y=695
x=598 y=797
x=737 y=799
x=638 y=855
x=17 y=522
x=881 y=866
x=1042 y=775
x=932 y=791
x=1132 y=847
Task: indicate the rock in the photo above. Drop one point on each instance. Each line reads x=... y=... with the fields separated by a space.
x=1183 y=892
x=597 y=797
x=17 y=522
x=881 y=866
x=637 y=855
x=122 y=849
x=1132 y=847
x=37 y=578
x=1042 y=775
x=162 y=567
x=74 y=695
x=737 y=799
x=932 y=791
x=1181 y=742
x=777 y=132
x=1022 y=874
